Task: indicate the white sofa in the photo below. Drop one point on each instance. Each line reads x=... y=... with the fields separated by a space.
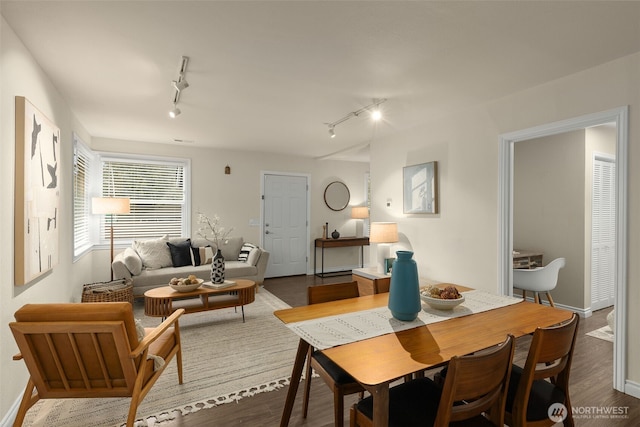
x=152 y=263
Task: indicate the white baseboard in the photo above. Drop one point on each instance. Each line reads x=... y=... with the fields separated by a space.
x=632 y=388
x=10 y=416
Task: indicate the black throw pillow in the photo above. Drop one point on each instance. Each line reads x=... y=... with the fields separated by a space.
x=180 y=253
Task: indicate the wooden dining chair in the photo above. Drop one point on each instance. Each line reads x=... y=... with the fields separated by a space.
x=544 y=380
x=92 y=350
x=340 y=382
x=473 y=394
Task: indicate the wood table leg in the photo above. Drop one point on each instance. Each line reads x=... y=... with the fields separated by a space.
x=296 y=374
x=380 y=394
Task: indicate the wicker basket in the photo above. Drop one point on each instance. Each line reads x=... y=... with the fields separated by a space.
x=114 y=291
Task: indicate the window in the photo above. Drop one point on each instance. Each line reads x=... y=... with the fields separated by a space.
x=157 y=189
x=83 y=164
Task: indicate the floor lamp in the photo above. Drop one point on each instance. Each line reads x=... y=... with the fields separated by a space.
x=383 y=233
x=360 y=212
x=110 y=206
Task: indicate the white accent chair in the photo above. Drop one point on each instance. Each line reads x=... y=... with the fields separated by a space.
x=537 y=280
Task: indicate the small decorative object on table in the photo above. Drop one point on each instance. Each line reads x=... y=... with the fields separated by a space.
x=211 y=230
x=404 y=291
x=441 y=299
x=189 y=284
x=335 y=234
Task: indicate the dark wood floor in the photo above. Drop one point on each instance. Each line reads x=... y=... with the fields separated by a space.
x=591 y=380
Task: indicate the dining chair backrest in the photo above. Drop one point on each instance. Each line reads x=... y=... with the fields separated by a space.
x=541 y=279
x=481 y=379
x=332 y=292
x=549 y=357
x=335 y=377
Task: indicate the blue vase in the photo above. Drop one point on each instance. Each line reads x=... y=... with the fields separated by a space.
x=404 y=291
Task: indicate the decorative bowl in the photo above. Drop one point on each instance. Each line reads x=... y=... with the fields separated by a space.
x=187 y=288
x=442 y=304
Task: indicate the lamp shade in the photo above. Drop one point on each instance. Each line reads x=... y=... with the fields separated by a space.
x=383 y=232
x=360 y=212
x=110 y=205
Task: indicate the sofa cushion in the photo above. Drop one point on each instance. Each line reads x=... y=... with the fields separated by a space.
x=154 y=252
x=202 y=255
x=231 y=248
x=245 y=251
x=180 y=253
x=132 y=261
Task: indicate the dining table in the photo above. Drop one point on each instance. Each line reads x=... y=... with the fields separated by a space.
x=401 y=349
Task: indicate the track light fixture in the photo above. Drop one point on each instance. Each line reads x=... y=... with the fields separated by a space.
x=175 y=112
x=178 y=86
x=373 y=108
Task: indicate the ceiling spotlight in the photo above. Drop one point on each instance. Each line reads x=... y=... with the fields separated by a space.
x=332 y=132
x=376 y=115
x=180 y=85
x=175 y=112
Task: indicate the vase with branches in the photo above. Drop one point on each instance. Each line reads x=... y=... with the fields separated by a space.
x=213 y=231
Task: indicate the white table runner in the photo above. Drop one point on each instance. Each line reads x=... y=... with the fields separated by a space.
x=331 y=331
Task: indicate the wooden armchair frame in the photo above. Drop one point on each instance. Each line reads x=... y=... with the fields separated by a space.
x=91 y=350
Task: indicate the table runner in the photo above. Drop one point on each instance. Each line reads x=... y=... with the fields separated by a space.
x=331 y=331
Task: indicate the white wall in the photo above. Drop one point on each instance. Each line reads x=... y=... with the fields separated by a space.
x=460 y=245
x=21 y=76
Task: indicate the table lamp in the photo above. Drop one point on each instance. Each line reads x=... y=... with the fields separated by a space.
x=383 y=233
x=360 y=212
x=110 y=206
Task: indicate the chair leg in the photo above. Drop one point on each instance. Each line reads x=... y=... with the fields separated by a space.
x=307 y=385
x=550 y=299
x=28 y=400
x=536 y=297
x=524 y=294
x=338 y=408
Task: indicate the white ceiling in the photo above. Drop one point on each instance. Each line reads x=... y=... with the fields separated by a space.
x=266 y=76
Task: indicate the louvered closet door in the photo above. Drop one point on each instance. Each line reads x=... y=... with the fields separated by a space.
x=603 y=233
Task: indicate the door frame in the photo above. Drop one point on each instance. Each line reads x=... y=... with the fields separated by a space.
x=262 y=228
x=620 y=116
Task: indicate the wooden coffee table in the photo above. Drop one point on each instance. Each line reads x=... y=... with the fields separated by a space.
x=161 y=302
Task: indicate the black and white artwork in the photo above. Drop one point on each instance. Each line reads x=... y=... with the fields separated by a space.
x=37 y=192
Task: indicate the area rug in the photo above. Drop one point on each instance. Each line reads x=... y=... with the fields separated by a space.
x=224 y=360
x=604 y=333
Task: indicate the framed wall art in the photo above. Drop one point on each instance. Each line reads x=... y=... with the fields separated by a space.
x=37 y=193
x=420 y=188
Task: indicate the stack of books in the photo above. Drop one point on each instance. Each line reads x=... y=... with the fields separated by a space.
x=222 y=285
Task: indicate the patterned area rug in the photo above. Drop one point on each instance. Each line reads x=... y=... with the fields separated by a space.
x=224 y=360
x=604 y=333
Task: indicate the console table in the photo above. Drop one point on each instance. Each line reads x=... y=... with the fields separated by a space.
x=340 y=242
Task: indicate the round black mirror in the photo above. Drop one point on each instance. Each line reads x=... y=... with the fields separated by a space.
x=336 y=196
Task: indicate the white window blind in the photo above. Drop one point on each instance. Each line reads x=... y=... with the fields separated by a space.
x=157 y=192
x=82 y=167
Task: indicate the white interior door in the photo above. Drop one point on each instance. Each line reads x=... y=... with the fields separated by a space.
x=285 y=224
x=603 y=233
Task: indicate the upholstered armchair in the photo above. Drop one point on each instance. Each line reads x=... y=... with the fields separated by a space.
x=92 y=350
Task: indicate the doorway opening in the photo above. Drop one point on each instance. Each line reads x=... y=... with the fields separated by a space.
x=619 y=117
